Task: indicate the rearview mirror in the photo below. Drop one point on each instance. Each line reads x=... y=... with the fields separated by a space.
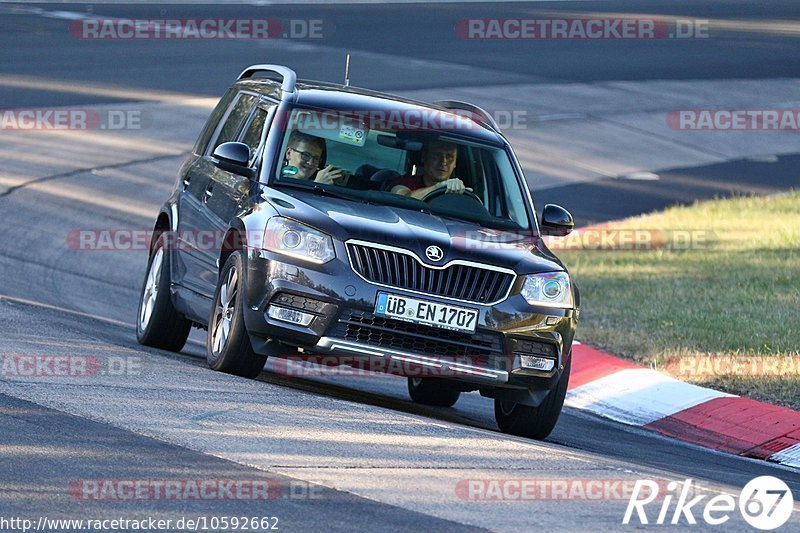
x=556 y=221
x=395 y=142
x=234 y=157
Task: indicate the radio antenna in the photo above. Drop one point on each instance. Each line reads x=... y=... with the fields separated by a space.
x=347 y=71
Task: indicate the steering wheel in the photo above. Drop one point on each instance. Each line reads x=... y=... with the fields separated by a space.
x=436 y=193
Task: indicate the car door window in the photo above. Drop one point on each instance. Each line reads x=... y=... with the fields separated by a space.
x=238 y=112
x=253 y=134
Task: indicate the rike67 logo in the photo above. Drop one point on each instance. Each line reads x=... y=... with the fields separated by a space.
x=765 y=503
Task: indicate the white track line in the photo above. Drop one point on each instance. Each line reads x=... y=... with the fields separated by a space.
x=638 y=396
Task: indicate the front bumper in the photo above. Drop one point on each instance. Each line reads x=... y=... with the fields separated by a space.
x=340 y=304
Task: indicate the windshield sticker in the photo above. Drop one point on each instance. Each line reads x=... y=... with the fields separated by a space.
x=352 y=135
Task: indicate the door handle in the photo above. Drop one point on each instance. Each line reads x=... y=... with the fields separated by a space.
x=209 y=192
x=186 y=182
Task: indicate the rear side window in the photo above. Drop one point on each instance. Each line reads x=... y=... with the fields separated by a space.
x=211 y=124
x=232 y=122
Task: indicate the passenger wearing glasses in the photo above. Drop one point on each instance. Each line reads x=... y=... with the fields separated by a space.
x=305 y=153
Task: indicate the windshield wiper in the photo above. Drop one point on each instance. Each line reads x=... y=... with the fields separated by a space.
x=316 y=188
x=397 y=200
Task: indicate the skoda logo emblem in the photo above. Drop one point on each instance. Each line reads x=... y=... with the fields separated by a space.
x=434 y=253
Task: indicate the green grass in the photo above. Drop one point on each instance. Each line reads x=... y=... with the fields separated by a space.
x=737 y=293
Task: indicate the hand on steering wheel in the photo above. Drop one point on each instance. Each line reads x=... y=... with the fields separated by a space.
x=452 y=186
x=442 y=189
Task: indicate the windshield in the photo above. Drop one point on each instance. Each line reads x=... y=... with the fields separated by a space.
x=417 y=169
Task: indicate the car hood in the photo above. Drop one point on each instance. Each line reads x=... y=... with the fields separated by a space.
x=415 y=231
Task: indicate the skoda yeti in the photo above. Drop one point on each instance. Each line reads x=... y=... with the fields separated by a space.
x=325 y=223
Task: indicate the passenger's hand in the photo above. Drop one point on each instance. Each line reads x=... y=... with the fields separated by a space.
x=453 y=185
x=331 y=175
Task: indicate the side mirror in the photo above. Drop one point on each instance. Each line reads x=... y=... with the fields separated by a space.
x=556 y=221
x=234 y=157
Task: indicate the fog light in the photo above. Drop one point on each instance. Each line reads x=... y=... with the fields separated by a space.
x=289 y=315
x=536 y=363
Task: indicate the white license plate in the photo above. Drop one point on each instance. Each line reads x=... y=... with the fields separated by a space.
x=428 y=313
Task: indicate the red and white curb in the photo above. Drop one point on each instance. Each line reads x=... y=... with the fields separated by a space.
x=622 y=391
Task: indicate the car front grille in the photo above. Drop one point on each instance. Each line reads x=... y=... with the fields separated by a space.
x=485 y=348
x=403 y=270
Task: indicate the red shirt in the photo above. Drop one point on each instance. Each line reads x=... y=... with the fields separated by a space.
x=412 y=182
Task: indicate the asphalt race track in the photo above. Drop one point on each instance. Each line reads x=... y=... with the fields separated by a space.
x=344 y=453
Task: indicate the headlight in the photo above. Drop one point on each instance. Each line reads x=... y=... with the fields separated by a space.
x=549 y=290
x=291 y=238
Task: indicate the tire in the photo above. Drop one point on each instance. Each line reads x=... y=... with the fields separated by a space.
x=228 y=347
x=432 y=391
x=533 y=422
x=158 y=323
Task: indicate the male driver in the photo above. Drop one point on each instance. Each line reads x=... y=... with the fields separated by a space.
x=438 y=163
x=304 y=152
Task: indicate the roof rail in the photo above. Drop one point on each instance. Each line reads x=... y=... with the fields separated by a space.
x=288 y=76
x=481 y=114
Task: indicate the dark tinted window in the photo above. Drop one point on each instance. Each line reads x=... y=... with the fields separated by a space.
x=211 y=124
x=233 y=122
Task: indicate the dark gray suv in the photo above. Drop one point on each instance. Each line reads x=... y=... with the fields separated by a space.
x=321 y=222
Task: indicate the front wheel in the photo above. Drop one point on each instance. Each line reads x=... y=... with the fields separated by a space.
x=159 y=324
x=533 y=422
x=432 y=391
x=228 y=347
